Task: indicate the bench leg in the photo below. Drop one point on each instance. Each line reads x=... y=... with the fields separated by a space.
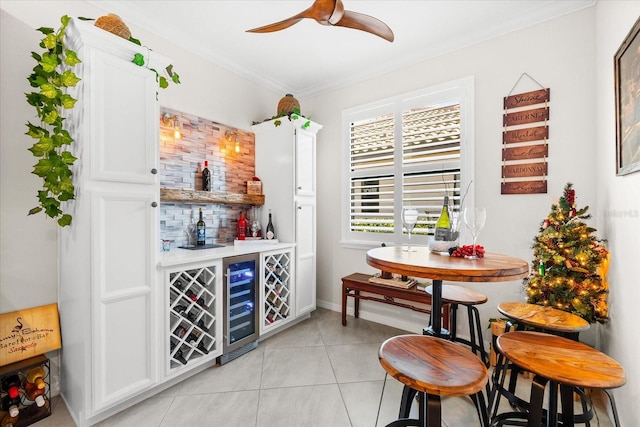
x=345 y=291
x=356 y=304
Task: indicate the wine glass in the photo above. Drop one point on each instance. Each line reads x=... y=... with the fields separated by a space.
x=474 y=219
x=409 y=220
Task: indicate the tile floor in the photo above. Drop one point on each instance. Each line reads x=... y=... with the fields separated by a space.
x=315 y=374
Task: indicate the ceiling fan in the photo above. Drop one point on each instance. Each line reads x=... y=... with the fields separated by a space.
x=331 y=12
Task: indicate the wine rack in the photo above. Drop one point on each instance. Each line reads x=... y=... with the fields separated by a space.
x=30 y=412
x=277 y=288
x=193 y=317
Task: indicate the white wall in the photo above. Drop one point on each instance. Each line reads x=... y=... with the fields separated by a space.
x=558 y=54
x=618 y=211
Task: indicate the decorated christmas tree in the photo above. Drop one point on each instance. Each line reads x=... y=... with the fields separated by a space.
x=570 y=264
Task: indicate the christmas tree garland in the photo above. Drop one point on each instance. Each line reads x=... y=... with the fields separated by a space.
x=570 y=263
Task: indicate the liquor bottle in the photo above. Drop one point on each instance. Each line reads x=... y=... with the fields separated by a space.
x=271 y=232
x=242 y=227
x=201 y=231
x=206 y=177
x=34 y=393
x=443 y=226
x=36 y=376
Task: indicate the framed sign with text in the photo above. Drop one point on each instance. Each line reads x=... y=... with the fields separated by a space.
x=627 y=91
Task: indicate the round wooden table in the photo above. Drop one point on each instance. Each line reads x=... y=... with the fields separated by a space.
x=425 y=264
x=559 y=361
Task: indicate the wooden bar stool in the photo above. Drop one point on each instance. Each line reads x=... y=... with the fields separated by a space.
x=562 y=363
x=540 y=318
x=433 y=367
x=459 y=295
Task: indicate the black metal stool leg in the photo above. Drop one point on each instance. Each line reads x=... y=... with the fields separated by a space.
x=537 y=400
x=614 y=409
x=405 y=402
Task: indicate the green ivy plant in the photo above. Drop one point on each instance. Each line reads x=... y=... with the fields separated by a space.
x=295 y=115
x=51 y=76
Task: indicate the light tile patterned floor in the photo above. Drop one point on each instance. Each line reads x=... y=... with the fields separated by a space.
x=315 y=374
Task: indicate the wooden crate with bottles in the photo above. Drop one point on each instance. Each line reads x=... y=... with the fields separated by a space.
x=25 y=393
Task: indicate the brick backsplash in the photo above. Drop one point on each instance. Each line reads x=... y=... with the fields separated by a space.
x=181 y=163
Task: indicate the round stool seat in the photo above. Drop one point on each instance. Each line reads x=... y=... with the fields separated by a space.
x=543 y=317
x=454 y=294
x=433 y=365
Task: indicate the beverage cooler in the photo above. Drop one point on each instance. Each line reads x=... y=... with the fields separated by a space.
x=240 y=305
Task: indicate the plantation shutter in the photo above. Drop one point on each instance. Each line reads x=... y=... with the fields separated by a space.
x=415 y=159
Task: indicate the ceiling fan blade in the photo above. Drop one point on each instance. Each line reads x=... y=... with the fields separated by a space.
x=321 y=11
x=277 y=26
x=360 y=21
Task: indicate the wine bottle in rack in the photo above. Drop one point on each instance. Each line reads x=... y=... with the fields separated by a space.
x=178 y=285
x=193 y=338
x=11 y=405
x=179 y=357
x=34 y=393
x=8 y=421
x=202 y=304
x=202 y=326
x=193 y=297
x=180 y=331
x=271 y=231
x=202 y=348
x=11 y=401
x=206 y=177
x=201 y=231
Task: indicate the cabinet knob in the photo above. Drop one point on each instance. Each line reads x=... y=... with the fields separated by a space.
x=300 y=188
x=154 y=204
x=154 y=171
x=300 y=207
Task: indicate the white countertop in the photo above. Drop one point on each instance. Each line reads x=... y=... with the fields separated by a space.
x=177 y=256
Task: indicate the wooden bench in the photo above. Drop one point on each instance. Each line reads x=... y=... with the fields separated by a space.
x=354 y=284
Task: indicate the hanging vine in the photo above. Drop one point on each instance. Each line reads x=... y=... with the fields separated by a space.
x=52 y=140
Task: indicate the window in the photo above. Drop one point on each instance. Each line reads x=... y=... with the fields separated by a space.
x=408 y=150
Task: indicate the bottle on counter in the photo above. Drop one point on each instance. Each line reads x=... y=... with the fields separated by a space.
x=201 y=231
x=271 y=232
x=242 y=227
x=443 y=226
x=206 y=177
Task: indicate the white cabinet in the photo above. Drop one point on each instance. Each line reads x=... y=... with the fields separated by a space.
x=108 y=295
x=286 y=164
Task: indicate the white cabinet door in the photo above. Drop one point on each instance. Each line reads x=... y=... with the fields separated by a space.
x=305 y=256
x=123 y=249
x=305 y=163
x=125 y=128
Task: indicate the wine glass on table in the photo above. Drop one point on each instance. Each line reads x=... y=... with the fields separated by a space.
x=409 y=220
x=474 y=219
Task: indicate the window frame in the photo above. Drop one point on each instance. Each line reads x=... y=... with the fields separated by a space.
x=461 y=89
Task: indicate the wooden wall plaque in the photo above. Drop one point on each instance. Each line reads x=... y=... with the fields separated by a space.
x=524 y=169
x=28 y=333
x=524 y=187
x=527 y=98
x=526 y=116
x=525 y=152
x=525 y=135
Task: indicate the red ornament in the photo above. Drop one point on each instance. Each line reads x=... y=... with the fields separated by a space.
x=571 y=196
x=545 y=224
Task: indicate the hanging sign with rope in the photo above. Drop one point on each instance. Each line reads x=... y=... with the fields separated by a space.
x=524 y=141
